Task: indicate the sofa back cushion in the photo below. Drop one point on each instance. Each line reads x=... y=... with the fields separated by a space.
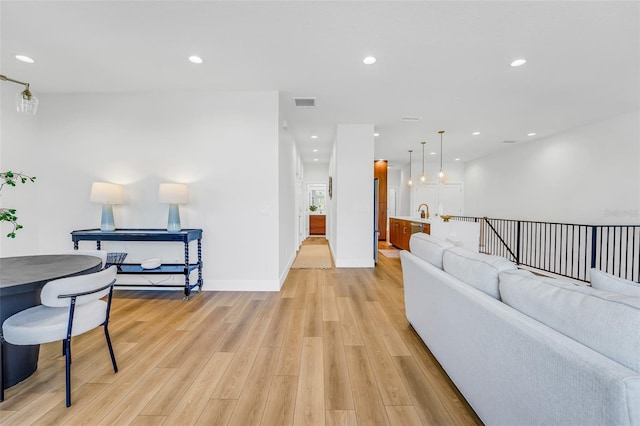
x=476 y=269
x=607 y=282
x=428 y=248
x=606 y=322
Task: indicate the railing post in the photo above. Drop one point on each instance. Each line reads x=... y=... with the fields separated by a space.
x=593 y=246
x=518 y=243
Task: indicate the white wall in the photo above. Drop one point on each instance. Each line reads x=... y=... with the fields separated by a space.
x=316 y=173
x=353 y=195
x=287 y=199
x=588 y=175
x=225 y=145
x=454 y=174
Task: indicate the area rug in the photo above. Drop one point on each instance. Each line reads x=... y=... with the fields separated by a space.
x=313 y=257
x=394 y=254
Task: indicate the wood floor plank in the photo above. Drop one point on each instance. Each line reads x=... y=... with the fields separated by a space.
x=351 y=335
x=233 y=381
x=337 y=386
x=428 y=405
x=392 y=340
x=217 y=412
x=148 y=421
x=126 y=410
x=281 y=402
x=368 y=402
x=389 y=382
x=403 y=415
x=309 y=409
x=289 y=362
x=341 y=418
x=251 y=403
x=193 y=402
x=329 y=307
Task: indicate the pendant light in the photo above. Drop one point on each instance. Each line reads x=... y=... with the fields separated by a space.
x=441 y=174
x=423 y=178
x=25 y=101
x=410 y=181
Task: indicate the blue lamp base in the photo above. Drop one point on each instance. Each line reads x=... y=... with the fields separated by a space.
x=173 y=224
x=107 y=223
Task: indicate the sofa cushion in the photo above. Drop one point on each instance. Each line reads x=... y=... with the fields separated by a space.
x=606 y=322
x=428 y=248
x=603 y=281
x=476 y=269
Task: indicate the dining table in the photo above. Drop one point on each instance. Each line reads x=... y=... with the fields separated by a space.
x=21 y=281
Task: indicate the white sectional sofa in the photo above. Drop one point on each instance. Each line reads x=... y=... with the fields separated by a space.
x=525 y=349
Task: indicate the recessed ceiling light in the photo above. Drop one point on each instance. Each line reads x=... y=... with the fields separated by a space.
x=432 y=153
x=25 y=59
x=531 y=134
x=376 y=134
x=369 y=60
x=315 y=150
x=315 y=159
x=475 y=133
x=518 y=62
x=195 y=59
x=457 y=159
x=314 y=136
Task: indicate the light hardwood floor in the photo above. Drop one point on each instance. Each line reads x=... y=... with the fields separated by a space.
x=331 y=348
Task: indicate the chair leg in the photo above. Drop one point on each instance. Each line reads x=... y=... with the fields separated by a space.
x=113 y=357
x=1 y=369
x=67 y=344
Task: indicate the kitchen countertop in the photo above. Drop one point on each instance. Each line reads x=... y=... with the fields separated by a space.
x=411 y=219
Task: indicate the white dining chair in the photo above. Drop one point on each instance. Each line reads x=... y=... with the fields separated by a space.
x=70 y=306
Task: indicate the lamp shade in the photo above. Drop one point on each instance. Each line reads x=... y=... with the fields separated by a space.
x=106 y=193
x=173 y=193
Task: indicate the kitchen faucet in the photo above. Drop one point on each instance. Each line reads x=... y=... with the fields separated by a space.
x=422 y=211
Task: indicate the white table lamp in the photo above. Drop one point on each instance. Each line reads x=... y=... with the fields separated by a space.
x=107 y=194
x=174 y=194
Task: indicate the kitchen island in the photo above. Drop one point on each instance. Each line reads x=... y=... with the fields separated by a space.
x=401 y=228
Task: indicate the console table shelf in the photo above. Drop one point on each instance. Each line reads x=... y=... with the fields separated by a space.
x=151 y=235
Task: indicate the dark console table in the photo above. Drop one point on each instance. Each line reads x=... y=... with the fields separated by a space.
x=160 y=235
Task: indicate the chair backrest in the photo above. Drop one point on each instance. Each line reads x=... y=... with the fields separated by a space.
x=102 y=254
x=75 y=285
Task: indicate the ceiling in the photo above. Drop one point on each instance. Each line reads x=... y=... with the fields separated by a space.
x=444 y=61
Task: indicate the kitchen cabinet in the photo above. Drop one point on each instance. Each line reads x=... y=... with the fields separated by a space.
x=400 y=231
x=317 y=224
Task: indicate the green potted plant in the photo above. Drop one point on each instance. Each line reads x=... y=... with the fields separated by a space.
x=10 y=178
x=313 y=208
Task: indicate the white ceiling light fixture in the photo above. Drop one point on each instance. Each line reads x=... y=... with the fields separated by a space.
x=314 y=136
x=195 y=59
x=423 y=178
x=475 y=133
x=376 y=134
x=315 y=159
x=25 y=101
x=315 y=150
x=410 y=181
x=369 y=60
x=24 y=58
x=441 y=174
x=518 y=62
x=531 y=134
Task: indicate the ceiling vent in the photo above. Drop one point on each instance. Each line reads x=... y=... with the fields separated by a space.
x=305 y=102
x=509 y=141
x=411 y=119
